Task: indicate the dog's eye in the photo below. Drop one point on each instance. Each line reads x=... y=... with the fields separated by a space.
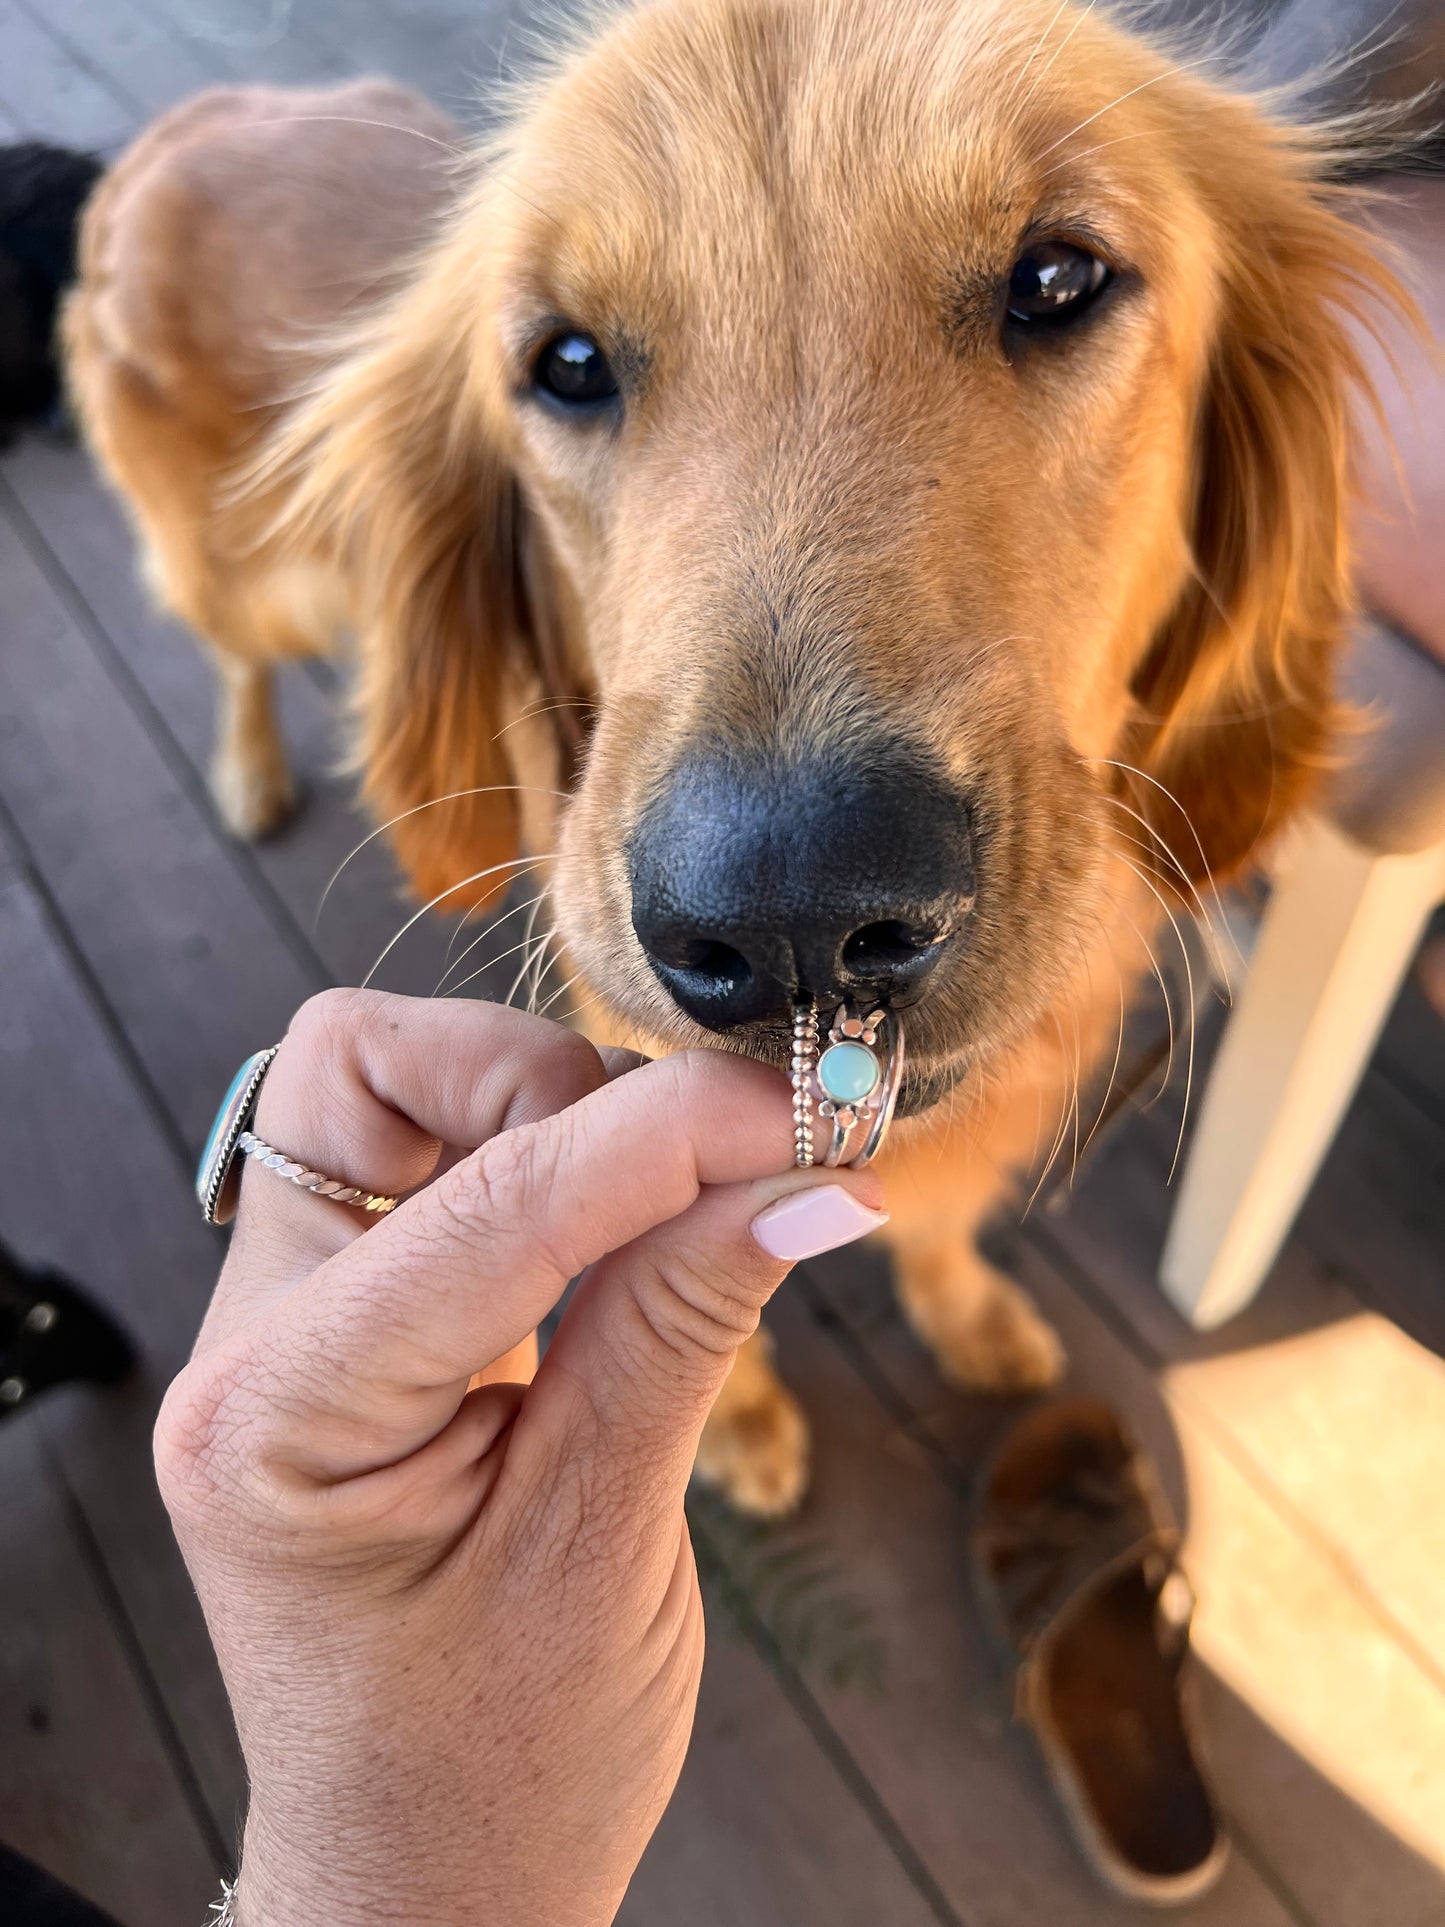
x=573 y=370
x=1053 y=282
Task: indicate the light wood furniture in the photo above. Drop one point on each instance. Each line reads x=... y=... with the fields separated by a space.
x=1352 y=894
x=1338 y=936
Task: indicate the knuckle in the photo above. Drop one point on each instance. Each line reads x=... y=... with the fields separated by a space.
x=200 y=1433
x=226 y=1428
x=571 y=1054
x=697 y=1303
x=556 y=1068
x=330 y=1023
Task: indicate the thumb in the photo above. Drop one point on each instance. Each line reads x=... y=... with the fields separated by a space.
x=653 y=1329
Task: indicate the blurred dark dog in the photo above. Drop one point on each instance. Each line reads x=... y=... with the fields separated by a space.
x=42 y=191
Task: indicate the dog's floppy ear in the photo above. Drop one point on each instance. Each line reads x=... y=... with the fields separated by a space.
x=391 y=465
x=1237 y=693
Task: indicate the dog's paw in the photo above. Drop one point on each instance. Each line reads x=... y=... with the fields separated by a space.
x=983 y=1330
x=754 y=1448
x=253 y=798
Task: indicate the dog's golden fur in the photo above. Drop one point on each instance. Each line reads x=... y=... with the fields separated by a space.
x=1100 y=576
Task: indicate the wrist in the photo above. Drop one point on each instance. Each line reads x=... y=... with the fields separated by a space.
x=287 y=1881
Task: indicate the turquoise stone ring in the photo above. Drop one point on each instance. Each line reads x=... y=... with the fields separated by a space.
x=846 y=1082
x=215 y=1183
x=849 y=1072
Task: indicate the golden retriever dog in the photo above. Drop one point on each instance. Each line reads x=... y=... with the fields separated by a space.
x=857 y=490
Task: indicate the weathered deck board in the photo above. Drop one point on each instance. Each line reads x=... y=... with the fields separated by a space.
x=73 y=1125
x=147 y=64
x=46 y=91
x=81 y=525
x=72 y=1717
x=126 y=855
x=763 y=1831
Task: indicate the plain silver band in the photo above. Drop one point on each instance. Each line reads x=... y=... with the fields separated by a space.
x=888 y=1096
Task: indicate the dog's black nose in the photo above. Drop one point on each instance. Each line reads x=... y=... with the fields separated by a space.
x=753 y=884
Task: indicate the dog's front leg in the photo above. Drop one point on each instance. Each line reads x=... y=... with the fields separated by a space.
x=942 y=1184
x=754 y=1447
x=251 y=779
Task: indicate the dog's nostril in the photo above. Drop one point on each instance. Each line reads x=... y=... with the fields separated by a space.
x=883 y=949
x=706 y=957
x=712 y=981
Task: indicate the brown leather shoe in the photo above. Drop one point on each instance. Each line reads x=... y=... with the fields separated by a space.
x=1076 y=1557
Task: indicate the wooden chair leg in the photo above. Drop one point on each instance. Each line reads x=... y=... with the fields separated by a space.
x=1337 y=938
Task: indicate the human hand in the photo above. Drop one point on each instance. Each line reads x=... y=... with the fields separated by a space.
x=461 y=1630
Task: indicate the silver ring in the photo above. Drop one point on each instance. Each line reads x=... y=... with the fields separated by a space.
x=805 y=1058
x=844 y=1081
x=337 y=1189
x=217 y=1174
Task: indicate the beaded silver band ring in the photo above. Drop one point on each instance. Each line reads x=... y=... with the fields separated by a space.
x=337 y=1189
x=845 y=1082
x=804 y=1063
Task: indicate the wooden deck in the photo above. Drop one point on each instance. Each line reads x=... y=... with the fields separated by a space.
x=855 y=1763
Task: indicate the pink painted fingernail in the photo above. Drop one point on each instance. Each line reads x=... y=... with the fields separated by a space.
x=819 y=1219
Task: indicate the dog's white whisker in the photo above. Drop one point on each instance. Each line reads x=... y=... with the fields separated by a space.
x=1063 y=1126
x=1170 y=73
x=509 y=909
x=544 y=708
x=540 y=967
x=416 y=917
x=1014 y=104
x=385 y=127
x=1048 y=64
x=452 y=796
x=1204 y=919
x=1118 y=1047
x=527 y=938
x=631 y=1035
x=481 y=970
x=1129 y=769
x=1189 y=982
x=1159 y=977
x=1139 y=134
x=561 y=991
x=512 y=910
x=1078 y=1098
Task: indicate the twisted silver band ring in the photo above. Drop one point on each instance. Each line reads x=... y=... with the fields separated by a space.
x=270 y=1159
x=231 y=1138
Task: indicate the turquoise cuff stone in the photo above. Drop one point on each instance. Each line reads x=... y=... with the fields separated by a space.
x=848 y=1072
x=215 y=1193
